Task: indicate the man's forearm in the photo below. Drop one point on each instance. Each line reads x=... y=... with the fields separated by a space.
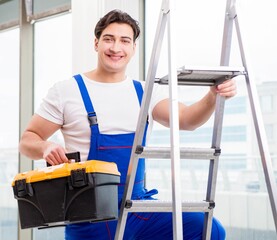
x=195 y=115
x=32 y=146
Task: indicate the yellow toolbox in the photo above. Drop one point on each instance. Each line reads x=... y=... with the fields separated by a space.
x=67 y=193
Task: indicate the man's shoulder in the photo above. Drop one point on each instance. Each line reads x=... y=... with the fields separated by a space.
x=65 y=82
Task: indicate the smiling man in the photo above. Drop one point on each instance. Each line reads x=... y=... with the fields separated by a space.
x=97 y=113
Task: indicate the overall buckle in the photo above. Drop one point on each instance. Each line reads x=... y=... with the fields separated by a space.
x=92 y=118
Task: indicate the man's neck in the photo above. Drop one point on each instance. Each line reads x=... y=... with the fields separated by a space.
x=105 y=77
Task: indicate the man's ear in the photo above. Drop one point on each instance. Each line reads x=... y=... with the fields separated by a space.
x=96 y=44
x=134 y=48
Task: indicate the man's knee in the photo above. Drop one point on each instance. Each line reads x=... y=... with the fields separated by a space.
x=218 y=231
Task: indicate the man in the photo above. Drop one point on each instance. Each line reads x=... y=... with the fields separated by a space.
x=107 y=94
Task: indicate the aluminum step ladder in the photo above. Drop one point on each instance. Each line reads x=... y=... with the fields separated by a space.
x=186 y=75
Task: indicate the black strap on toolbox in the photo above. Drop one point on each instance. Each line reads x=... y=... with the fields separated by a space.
x=21 y=188
x=78 y=178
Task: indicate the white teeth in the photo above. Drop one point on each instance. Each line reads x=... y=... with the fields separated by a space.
x=115 y=57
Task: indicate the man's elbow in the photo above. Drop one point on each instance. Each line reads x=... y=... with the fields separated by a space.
x=187 y=126
x=22 y=145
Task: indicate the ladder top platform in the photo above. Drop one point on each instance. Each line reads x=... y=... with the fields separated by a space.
x=204 y=76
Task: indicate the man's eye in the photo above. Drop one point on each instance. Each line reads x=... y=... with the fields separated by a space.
x=125 y=41
x=108 y=39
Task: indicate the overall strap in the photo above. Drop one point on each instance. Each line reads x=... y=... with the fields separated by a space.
x=139 y=91
x=92 y=118
x=86 y=99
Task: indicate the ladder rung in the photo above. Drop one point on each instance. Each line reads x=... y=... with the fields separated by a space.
x=185 y=153
x=204 y=76
x=166 y=206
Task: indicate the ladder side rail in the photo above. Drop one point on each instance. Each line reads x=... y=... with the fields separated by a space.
x=210 y=197
x=218 y=120
x=142 y=120
x=227 y=34
x=174 y=128
x=259 y=127
x=213 y=167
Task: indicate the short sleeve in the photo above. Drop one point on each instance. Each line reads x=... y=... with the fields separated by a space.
x=160 y=92
x=51 y=106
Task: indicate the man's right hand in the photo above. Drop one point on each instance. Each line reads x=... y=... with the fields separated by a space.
x=54 y=154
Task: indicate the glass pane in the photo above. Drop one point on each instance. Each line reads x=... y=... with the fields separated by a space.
x=52 y=64
x=42 y=6
x=9 y=11
x=242 y=202
x=267 y=103
x=9 y=128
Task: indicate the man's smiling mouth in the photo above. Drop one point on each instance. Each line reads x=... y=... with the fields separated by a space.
x=114 y=57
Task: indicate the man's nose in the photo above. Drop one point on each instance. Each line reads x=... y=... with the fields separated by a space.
x=115 y=47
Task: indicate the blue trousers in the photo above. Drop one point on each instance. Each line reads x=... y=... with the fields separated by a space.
x=146 y=226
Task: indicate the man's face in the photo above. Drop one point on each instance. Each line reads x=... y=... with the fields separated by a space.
x=115 y=47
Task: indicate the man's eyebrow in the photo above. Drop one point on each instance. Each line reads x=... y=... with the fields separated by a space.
x=110 y=35
x=126 y=37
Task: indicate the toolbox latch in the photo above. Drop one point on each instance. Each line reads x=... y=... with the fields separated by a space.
x=22 y=188
x=78 y=178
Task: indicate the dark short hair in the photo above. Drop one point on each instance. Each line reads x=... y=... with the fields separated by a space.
x=116 y=16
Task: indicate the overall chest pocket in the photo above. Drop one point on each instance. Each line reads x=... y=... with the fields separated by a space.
x=115 y=148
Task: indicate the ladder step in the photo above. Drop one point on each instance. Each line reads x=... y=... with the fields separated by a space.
x=185 y=152
x=166 y=206
x=203 y=76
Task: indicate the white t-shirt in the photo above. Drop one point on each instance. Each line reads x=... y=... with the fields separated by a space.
x=116 y=105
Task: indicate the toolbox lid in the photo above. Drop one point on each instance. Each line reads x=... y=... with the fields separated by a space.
x=64 y=170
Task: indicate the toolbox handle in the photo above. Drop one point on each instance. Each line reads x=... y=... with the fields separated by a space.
x=73 y=155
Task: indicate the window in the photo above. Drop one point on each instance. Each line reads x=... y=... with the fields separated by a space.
x=9 y=128
x=236 y=105
x=52 y=53
x=266 y=103
x=269 y=129
x=37 y=9
x=9 y=14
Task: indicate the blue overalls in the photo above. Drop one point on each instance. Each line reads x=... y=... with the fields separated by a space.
x=117 y=148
